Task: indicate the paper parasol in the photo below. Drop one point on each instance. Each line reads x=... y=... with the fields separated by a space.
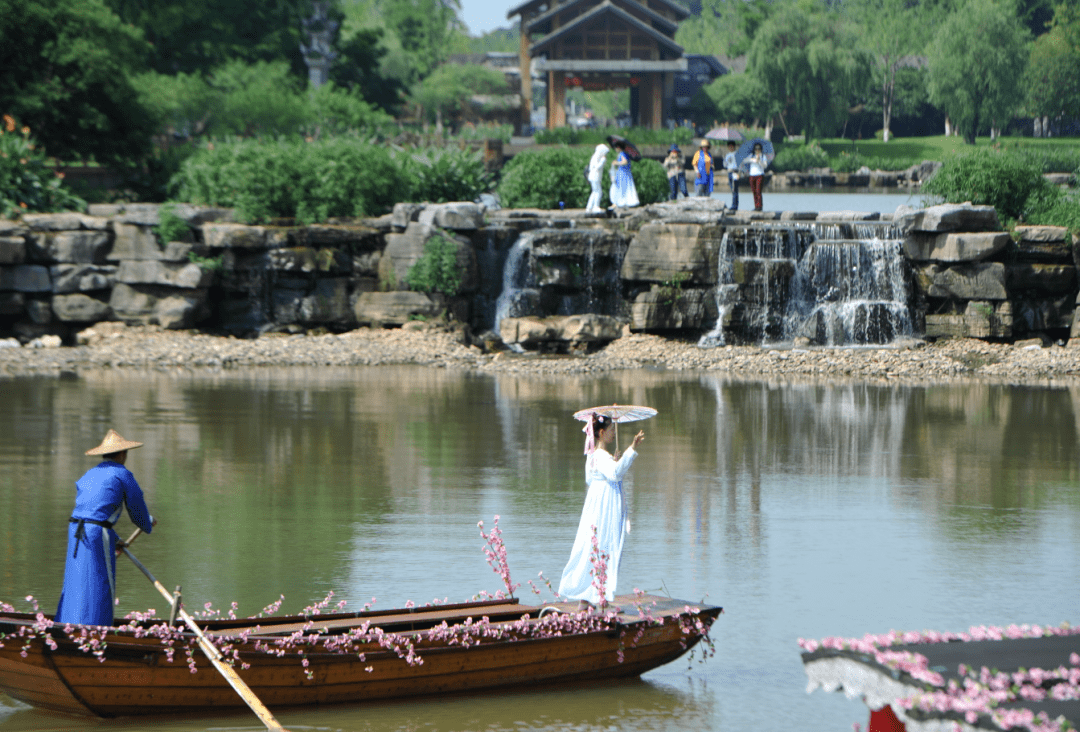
x=617 y=412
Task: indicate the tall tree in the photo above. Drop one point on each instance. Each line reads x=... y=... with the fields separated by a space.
x=811 y=64
x=428 y=30
x=197 y=35
x=1053 y=73
x=891 y=33
x=977 y=63
x=64 y=72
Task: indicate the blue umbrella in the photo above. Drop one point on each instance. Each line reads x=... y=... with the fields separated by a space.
x=747 y=149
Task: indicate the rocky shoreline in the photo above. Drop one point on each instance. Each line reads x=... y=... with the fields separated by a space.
x=115 y=346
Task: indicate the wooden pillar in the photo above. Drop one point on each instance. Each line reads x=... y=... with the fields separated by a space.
x=525 y=64
x=556 y=108
x=656 y=122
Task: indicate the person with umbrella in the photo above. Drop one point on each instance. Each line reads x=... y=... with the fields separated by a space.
x=605 y=509
x=101 y=496
x=623 y=192
x=731 y=165
x=756 y=155
x=703 y=164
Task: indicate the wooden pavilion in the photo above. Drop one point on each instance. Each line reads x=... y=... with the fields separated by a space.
x=598 y=45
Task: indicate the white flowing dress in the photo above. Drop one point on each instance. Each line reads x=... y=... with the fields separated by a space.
x=607 y=511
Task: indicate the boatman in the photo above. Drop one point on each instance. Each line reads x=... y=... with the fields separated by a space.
x=89 y=593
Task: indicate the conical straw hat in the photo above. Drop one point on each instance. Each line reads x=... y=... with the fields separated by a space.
x=113 y=442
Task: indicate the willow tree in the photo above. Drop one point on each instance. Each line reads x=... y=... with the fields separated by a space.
x=811 y=64
x=891 y=34
x=977 y=61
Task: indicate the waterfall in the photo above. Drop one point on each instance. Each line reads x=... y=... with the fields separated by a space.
x=849 y=292
x=725 y=294
x=836 y=283
x=516 y=296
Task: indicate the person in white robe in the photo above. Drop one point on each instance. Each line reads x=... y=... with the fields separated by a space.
x=596 y=171
x=605 y=508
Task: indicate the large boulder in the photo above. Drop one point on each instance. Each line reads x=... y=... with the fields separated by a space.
x=329 y=303
x=461 y=216
x=979 y=319
x=13 y=228
x=169 y=274
x=12 y=250
x=947 y=217
x=67 y=246
x=663 y=252
x=239 y=236
x=310 y=260
x=405 y=213
x=81 y=277
x=132 y=241
x=168 y=307
x=65 y=221
x=1043 y=244
x=347 y=237
x=978 y=281
x=1040 y=279
x=661 y=309
x=403 y=250
x=954 y=247
x=569 y=330
x=149 y=214
x=12 y=303
x=25 y=278
x=79 y=308
x=396 y=308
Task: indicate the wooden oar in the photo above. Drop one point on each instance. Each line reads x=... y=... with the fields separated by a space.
x=211 y=652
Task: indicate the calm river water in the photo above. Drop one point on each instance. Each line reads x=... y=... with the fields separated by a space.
x=804 y=508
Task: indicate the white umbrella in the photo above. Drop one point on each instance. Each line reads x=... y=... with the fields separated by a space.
x=617 y=413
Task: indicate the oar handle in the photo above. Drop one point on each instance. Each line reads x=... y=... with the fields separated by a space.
x=212 y=653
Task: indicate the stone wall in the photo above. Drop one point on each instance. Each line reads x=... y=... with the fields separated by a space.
x=660 y=268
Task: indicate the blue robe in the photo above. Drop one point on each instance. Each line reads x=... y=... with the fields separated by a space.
x=90 y=573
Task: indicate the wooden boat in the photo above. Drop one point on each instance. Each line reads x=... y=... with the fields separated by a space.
x=350 y=657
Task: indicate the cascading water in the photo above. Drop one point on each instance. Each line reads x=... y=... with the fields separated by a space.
x=851 y=291
x=836 y=283
x=517 y=297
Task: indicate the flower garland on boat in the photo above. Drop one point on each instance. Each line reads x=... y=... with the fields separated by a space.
x=366 y=639
x=980 y=692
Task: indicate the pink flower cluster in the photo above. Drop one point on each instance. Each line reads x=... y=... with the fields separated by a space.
x=495 y=551
x=979 y=693
x=599 y=560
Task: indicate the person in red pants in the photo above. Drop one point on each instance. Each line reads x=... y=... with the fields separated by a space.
x=757 y=163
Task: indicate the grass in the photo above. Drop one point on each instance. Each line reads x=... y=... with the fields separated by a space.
x=906 y=150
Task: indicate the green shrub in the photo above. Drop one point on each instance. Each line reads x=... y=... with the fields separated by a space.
x=800 y=157
x=651 y=181
x=1010 y=182
x=542 y=178
x=1057 y=210
x=596 y=135
x=171 y=226
x=309 y=181
x=25 y=183
x=437 y=268
x=445 y=174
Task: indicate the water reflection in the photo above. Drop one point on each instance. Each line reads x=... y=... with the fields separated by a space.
x=805 y=507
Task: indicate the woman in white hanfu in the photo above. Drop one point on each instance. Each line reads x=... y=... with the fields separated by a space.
x=605 y=508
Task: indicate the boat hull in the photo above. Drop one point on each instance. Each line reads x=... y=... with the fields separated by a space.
x=136 y=677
